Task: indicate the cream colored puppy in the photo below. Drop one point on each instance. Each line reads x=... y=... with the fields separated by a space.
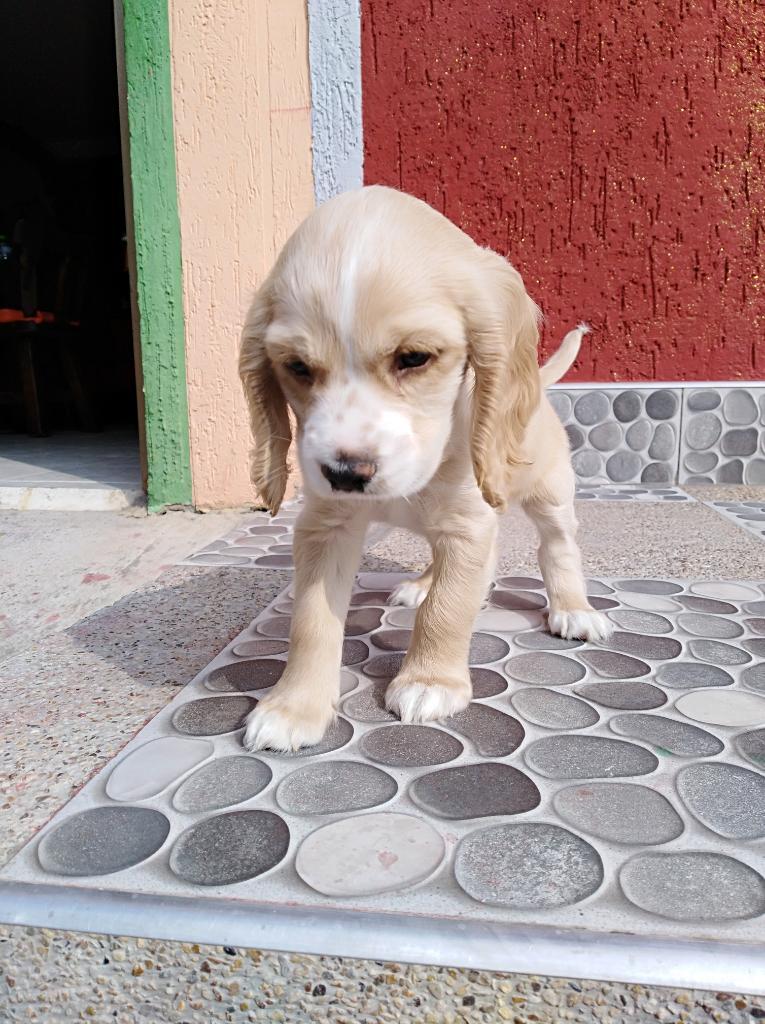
x=408 y=356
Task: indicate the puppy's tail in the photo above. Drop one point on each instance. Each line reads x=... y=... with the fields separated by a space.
x=560 y=361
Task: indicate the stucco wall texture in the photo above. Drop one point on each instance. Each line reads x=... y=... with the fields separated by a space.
x=614 y=151
x=241 y=99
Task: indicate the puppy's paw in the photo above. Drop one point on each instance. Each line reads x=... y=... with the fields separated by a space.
x=584 y=624
x=278 y=724
x=420 y=701
x=409 y=594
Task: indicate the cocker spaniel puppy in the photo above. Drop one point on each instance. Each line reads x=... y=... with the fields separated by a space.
x=408 y=356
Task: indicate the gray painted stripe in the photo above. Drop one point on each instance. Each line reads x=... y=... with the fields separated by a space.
x=334 y=47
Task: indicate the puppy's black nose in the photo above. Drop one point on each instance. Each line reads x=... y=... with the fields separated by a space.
x=350 y=474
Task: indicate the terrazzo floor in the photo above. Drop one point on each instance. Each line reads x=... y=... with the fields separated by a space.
x=606 y=788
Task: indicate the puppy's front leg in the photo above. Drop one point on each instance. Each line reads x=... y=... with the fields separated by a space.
x=434 y=681
x=327 y=548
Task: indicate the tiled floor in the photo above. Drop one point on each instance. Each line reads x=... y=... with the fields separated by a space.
x=603 y=492
x=614 y=787
x=261 y=541
x=748 y=514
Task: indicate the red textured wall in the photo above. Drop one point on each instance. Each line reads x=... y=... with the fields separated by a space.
x=613 y=150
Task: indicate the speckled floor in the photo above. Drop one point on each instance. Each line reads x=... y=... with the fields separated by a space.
x=73 y=698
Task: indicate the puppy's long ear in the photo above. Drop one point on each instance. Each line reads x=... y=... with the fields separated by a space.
x=269 y=419
x=502 y=349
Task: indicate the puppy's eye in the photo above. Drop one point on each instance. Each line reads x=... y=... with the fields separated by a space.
x=299 y=369
x=411 y=360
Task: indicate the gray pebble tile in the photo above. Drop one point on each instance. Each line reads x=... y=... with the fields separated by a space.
x=492 y=732
x=255 y=674
x=218 y=558
x=597 y=587
x=552 y=710
x=754 y=678
x=230 y=848
x=638 y=435
x=657 y=473
x=603 y=603
x=739 y=442
x=624 y=465
x=527 y=866
x=521 y=582
x=662 y=587
x=755 y=646
x=378 y=853
x=541 y=640
x=712 y=627
x=755 y=472
x=588 y=757
x=667 y=735
x=486 y=683
x=213 y=716
x=575 y=436
x=562 y=404
x=619 y=812
x=514 y=601
x=751 y=745
x=276 y=626
x=740 y=408
x=475 y=791
x=335 y=787
x=606 y=436
x=275 y=561
x=731 y=472
x=755 y=607
x=386 y=666
x=222 y=783
x=693 y=886
x=641 y=622
x=707 y=605
x=410 y=746
x=259 y=648
x=368 y=705
x=586 y=463
x=703 y=401
x=700 y=462
x=690 y=675
x=269 y=530
x=363 y=621
x=663 y=443
x=338 y=734
x=364 y=598
x=149 y=769
x=703 y=431
x=627 y=406
x=392 y=639
x=614 y=664
x=544 y=669
x=662 y=405
x=354 y=652
x=718 y=653
x=756 y=625
x=591 y=408
x=728 y=799
x=486 y=648
x=722 y=707
x=626 y=696
x=103 y=840
x=652 y=648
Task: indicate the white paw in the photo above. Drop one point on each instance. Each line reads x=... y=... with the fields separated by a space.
x=580 y=625
x=410 y=594
x=278 y=725
x=427 y=702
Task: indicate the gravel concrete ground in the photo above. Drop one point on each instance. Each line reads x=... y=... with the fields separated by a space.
x=73 y=697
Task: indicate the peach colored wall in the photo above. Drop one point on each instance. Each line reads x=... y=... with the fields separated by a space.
x=241 y=98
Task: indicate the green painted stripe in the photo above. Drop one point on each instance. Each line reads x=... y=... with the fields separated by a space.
x=159 y=283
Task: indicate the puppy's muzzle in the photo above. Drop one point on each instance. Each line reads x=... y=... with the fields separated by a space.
x=351 y=473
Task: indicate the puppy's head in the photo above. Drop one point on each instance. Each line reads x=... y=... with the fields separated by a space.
x=376 y=310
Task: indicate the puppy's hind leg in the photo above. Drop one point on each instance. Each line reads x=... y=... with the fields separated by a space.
x=551 y=509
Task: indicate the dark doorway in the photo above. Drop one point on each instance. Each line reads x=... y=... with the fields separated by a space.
x=67 y=370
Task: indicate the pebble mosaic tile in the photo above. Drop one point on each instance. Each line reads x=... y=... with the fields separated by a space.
x=602 y=492
x=750 y=515
x=723 y=436
x=628 y=436
x=601 y=787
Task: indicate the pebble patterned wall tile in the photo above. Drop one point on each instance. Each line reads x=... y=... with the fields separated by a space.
x=621 y=436
x=612 y=787
x=723 y=436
